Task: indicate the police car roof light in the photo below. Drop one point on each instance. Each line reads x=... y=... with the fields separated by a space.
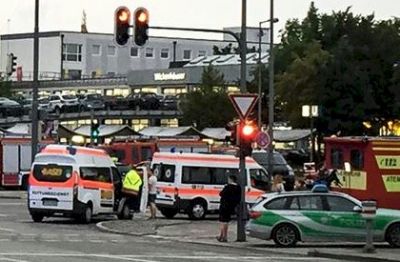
x=320 y=189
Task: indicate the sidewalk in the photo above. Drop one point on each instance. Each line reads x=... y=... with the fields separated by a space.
x=204 y=232
x=13 y=194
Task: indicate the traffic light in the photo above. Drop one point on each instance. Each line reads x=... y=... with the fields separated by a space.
x=232 y=127
x=94 y=132
x=247 y=132
x=11 y=64
x=141 y=25
x=122 y=25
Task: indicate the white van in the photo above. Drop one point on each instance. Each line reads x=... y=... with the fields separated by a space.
x=190 y=183
x=74 y=181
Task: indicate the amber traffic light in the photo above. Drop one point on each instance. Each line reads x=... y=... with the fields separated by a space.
x=122 y=19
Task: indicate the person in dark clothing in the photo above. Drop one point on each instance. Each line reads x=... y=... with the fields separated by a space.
x=230 y=198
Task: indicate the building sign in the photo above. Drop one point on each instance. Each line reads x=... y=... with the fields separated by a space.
x=169 y=76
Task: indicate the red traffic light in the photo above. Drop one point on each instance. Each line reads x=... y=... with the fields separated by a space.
x=141 y=26
x=248 y=130
x=122 y=25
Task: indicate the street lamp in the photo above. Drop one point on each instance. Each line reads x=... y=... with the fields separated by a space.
x=260 y=35
x=311 y=111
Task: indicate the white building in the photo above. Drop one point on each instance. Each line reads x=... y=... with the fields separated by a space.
x=76 y=55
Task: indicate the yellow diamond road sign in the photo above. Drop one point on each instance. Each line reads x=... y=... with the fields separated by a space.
x=243 y=103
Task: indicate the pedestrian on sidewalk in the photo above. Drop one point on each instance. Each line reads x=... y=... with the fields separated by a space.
x=230 y=199
x=152 y=193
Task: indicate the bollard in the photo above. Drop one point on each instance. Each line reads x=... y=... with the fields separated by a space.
x=368 y=212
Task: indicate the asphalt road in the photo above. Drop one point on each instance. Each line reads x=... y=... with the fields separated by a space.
x=59 y=239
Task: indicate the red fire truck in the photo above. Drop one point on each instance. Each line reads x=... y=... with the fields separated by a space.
x=368 y=167
x=134 y=152
x=15 y=160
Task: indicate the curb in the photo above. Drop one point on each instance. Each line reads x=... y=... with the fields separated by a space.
x=360 y=258
x=103 y=228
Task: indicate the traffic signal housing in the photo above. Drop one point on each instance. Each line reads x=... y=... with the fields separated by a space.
x=94 y=132
x=248 y=131
x=122 y=25
x=141 y=26
x=11 y=64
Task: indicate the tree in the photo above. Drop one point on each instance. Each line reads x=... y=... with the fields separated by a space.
x=5 y=88
x=208 y=105
x=229 y=49
x=344 y=63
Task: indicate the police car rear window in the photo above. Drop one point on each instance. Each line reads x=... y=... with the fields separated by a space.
x=52 y=173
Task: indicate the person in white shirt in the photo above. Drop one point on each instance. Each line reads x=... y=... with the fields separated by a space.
x=152 y=194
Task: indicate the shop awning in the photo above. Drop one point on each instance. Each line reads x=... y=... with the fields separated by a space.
x=291 y=135
x=216 y=133
x=107 y=131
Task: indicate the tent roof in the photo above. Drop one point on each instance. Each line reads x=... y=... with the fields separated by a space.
x=107 y=130
x=157 y=131
x=216 y=133
x=291 y=135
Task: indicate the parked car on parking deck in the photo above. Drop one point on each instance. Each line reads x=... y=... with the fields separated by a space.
x=43 y=105
x=169 y=102
x=63 y=103
x=318 y=215
x=147 y=101
x=9 y=107
x=91 y=101
x=116 y=102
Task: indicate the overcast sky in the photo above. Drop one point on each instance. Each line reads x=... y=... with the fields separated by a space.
x=17 y=16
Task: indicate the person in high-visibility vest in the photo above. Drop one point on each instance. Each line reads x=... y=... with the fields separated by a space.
x=131 y=188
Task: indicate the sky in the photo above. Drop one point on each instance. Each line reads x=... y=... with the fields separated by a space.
x=17 y=16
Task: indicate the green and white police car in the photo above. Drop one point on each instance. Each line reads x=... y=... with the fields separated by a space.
x=305 y=216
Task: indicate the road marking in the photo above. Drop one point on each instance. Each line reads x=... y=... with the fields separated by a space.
x=6 y=229
x=12 y=204
x=12 y=260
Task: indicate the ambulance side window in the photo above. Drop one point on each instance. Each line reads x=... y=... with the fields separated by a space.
x=164 y=173
x=196 y=175
x=220 y=175
x=100 y=174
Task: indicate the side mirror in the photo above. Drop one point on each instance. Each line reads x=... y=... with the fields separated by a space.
x=357 y=209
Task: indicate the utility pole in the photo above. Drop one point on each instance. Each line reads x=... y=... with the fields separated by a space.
x=35 y=87
x=271 y=90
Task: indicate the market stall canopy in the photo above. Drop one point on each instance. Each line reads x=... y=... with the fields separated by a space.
x=157 y=131
x=291 y=135
x=216 y=133
x=107 y=131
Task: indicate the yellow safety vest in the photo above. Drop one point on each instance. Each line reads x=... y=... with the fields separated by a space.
x=132 y=181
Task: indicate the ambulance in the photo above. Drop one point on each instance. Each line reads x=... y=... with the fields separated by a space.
x=74 y=181
x=191 y=182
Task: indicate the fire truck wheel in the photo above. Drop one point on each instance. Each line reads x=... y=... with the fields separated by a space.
x=37 y=217
x=168 y=212
x=197 y=209
x=393 y=235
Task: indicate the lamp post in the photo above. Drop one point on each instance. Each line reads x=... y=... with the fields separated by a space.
x=271 y=88
x=35 y=86
x=260 y=35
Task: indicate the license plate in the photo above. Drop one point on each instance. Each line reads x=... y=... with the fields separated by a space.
x=52 y=203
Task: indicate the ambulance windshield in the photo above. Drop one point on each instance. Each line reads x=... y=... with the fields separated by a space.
x=52 y=173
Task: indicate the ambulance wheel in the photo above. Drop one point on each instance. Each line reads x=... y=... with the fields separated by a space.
x=393 y=235
x=168 y=212
x=125 y=213
x=197 y=209
x=285 y=235
x=37 y=217
x=87 y=215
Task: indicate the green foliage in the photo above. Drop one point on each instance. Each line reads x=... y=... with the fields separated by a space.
x=230 y=50
x=344 y=63
x=5 y=89
x=209 y=105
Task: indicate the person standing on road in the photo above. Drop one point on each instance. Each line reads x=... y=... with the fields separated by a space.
x=230 y=198
x=131 y=189
x=152 y=193
x=277 y=185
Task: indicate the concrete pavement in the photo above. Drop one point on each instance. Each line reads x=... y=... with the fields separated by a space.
x=13 y=194
x=205 y=232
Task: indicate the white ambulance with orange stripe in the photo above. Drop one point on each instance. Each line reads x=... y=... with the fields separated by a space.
x=73 y=181
x=190 y=183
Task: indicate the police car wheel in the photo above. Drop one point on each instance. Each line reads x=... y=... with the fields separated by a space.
x=393 y=235
x=285 y=235
x=197 y=210
x=37 y=217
